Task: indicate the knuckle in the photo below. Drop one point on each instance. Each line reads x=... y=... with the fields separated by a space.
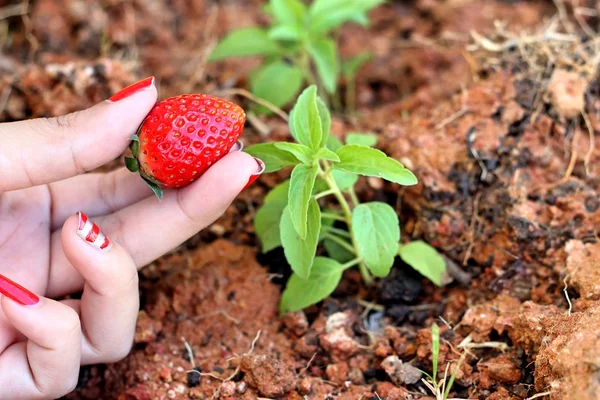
x=71 y=325
x=118 y=353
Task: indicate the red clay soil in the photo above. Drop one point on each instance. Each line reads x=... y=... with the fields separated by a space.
x=491 y=144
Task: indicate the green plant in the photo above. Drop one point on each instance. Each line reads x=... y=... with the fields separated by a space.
x=298 y=43
x=366 y=235
x=440 y=389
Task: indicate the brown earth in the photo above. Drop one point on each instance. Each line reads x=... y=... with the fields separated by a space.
x=508 y=193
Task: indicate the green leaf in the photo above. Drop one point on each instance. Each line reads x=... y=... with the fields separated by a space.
x=344 y=180
x=274 y=158
x=333 y=143
x=289 y=12
x=337 y=252
x=424 y=259
x=301 y=293
x=325 y=121
x=363 y=139
x=285 y=32
x=132 y=164
x=266 y=225
x=300 y=253
x=351 y=67
x=278 y=83
x=326 y=15
x=301 y=187
x=268 y=217
x=435 y=349
x=364 y=160
x=245 y=42
x=305 y=119
x=325 y=55
x=376 y=231
x=302 y=153
x=326 y=154
x=279 y=192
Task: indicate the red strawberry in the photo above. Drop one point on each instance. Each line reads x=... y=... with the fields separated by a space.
x=182 y=137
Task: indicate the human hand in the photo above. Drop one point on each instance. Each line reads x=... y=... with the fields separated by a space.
x=47 y=246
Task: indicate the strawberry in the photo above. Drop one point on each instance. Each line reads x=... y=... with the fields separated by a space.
x=182 y=137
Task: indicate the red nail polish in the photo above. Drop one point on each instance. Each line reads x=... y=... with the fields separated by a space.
x=16 y=292
x=131 y=89
x=90 y=232
x=255 y=175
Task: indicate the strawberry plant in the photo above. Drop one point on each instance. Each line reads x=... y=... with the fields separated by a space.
x=298 y=43
x=352 y=234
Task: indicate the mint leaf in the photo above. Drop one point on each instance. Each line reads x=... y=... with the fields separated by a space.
x=344 y=180
x=289 y=12
x=300 y=252
x=325 y=55
x=268 y=217
x=278 y=83
x=285 y=33
x=274 y=158
x=301 y=187
x=301 y=293
x=325 y=121
x=306 y=121
x=245 y=42
x=363 y=139
x=326 y=154
x=424 y=259
x=337 y=252
x=376 y=231
x=364 y=160
x=266 y=225
x=302 y=153
x=333 y=143
x=326 y=15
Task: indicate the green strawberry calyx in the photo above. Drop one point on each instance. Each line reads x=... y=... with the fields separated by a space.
x=133 y=165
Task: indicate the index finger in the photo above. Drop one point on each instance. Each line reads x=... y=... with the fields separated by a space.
x=43 y=150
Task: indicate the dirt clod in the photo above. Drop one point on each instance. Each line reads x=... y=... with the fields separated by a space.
x=401 y=373
x=268 y=375
x=566 y=90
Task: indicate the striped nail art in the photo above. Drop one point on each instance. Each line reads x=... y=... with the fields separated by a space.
x=90 y=232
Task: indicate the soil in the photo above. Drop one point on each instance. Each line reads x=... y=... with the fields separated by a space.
x=503 y=138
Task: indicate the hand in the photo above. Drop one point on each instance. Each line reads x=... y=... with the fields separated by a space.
x=47 y=246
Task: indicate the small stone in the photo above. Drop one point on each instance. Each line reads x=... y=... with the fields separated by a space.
x=296 y=322
x=227 y=389
x=171 y=394
x=566 y=91
x=339 y=344
x=337 y=373
x=336 y=321
x=165 y=374
x=241 y=387
x=401 y=373
x=305 y=386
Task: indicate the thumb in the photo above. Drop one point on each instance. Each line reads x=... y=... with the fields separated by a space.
x=44 y=150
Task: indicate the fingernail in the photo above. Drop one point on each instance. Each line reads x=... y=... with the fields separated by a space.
x=254 y=176
x=90 y=232
x=131 y=89
x=17 y=293
x=238 y=146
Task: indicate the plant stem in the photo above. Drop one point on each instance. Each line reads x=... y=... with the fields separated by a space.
x=340 y=241
x=353 y=197
x=348 y=214
x=352 y=263
x=340 y=232
x=323 y=194
x=333 y=216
